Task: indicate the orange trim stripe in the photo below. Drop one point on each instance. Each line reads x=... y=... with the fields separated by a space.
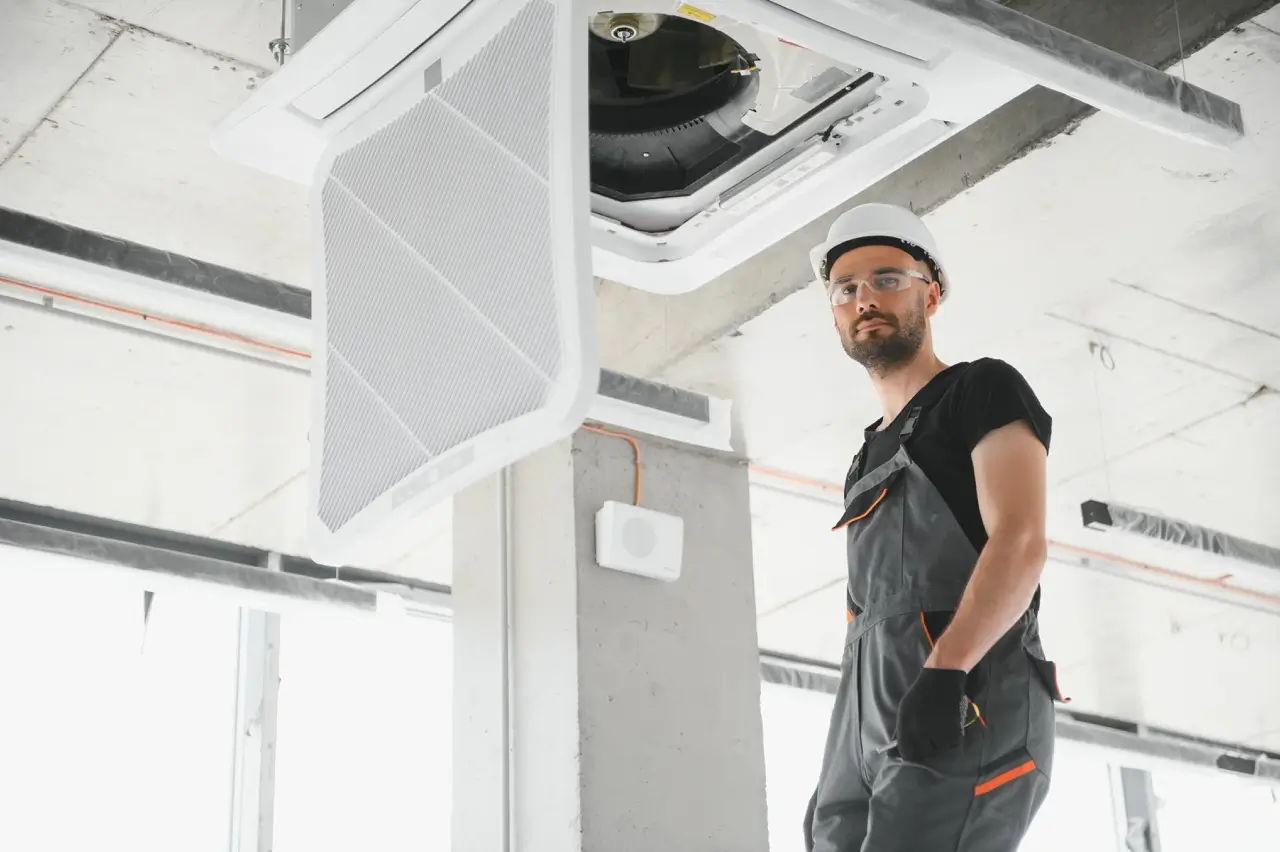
x=870 y=509
x=1004 y=778
x=925 y=625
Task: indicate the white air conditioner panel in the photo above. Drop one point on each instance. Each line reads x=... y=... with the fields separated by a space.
x=403 y=37
x=454 y=313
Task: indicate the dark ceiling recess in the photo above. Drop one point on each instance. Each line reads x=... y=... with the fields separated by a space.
x=677 y=73
x=666 y=104
x=667 y=97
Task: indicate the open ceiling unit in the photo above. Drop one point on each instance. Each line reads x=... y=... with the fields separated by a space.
x=718 y=128
x=472 y=164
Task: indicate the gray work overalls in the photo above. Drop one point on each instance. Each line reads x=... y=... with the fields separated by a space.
x=909 y=556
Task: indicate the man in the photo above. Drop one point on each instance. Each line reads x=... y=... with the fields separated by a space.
x=941 y=737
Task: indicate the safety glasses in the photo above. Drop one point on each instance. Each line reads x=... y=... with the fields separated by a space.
x=886 y=280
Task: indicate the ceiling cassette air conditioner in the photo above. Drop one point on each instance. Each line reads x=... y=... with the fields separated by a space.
x=473 y=162
x=719 y=127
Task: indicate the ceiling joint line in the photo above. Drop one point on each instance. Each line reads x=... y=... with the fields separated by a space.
x=26 y=137
x=1138 y=288
x=258 y=503
x=1252 y=382
x=1164 y=436
x=129 y=26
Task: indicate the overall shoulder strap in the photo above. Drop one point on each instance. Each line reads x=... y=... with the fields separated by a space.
x=855 y=471
x=923 y=400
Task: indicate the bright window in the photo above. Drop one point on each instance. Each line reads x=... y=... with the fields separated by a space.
x=1203 y=810
x=365 y=735
x=795 y=733
x=111 y=737
x=1079 y=812
x=186 y=724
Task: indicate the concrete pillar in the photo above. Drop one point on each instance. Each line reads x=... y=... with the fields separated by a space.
x=634 y=704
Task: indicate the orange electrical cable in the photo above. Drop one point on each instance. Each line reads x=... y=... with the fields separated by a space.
x=1214 y=582
x=796 y=478
x=142 y=315
x=635 y=452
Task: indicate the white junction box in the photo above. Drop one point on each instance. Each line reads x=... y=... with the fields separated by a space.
x=639 y=541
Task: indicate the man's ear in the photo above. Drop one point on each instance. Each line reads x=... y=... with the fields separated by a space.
x=933 y=298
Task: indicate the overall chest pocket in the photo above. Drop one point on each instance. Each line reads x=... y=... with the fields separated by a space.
x=872 y=523
x=868 y=501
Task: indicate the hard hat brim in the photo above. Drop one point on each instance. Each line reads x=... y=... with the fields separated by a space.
x=824 y=255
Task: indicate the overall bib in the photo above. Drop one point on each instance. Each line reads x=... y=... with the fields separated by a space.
x=908 y=556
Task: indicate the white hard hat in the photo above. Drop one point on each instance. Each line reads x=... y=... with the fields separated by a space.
x=878 y=224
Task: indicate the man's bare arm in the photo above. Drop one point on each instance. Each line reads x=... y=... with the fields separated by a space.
x=1009 y=469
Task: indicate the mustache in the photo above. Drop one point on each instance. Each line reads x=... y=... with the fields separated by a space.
x=871 y=316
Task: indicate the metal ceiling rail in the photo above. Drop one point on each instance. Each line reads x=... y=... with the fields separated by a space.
x=1118 y=518
x=240 y=573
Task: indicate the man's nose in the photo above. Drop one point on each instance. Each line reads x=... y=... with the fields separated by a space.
x=865 y=299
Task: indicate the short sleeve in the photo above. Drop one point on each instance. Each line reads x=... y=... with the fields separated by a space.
x=992 y=394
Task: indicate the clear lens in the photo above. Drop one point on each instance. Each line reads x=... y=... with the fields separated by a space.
x=845 y=289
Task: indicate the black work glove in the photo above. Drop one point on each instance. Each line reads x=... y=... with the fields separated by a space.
x=931 y=715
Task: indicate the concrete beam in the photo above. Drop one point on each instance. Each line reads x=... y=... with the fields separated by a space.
x=644 y=334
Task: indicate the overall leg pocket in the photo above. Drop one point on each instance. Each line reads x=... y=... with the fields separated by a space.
x=1006 y=796
x=916 y=808
x=1046 y=671
x=1004 y=771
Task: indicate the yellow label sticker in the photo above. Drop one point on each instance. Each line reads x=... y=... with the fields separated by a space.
x=695 y=13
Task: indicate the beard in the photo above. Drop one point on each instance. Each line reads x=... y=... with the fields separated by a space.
x=883 y=349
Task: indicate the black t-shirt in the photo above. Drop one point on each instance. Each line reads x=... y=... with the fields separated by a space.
x=969 y=401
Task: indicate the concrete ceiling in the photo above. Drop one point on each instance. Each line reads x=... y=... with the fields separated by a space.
x=1134 y=277
x=105 y=125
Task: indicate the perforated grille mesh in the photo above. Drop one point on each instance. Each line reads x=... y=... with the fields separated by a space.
x=439 y=275
x=518 y=119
